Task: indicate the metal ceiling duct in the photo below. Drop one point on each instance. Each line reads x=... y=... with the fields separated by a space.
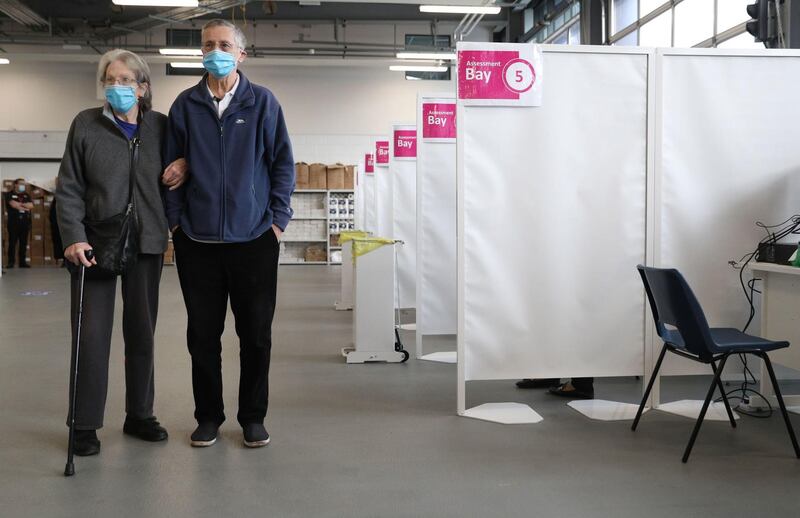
x=22 y=14
x=179 y=14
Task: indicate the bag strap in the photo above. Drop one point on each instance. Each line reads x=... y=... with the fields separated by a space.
x=135 y=143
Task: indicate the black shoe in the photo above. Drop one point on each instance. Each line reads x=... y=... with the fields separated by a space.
x=24 y=266
x=145 y=429
x=568 y=391
x=204 y=435
x=255 y=435
x=528 y=383
x=86 y=443
x=9 y=266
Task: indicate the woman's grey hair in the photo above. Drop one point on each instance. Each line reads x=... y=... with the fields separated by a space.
x=138 y=66
x=241 y=41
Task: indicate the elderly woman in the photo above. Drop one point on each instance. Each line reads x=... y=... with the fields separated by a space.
x=93 y=184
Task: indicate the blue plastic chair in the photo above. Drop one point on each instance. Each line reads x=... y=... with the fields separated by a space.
x=682 y=325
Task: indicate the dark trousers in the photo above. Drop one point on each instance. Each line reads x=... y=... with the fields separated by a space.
x=140 y=308
x=210 y=273
x=18 y=230
x=583 y=384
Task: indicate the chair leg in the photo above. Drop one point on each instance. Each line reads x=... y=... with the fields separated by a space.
x=778 y=395
x=724 y=396
x=649 y=388
x=703 y=410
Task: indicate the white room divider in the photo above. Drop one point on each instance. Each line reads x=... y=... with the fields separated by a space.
x=402 y=169
x=368 y=193
x=436 y=222
x=726 y=158
x=383 y=190
x=552 y=216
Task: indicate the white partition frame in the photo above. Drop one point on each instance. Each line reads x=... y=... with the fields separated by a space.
x=649 y=246
x=698 y=272
x=404 y=220
x=383 y=198
x=436 y=236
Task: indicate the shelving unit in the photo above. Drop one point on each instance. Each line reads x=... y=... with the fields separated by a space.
x=316 y=223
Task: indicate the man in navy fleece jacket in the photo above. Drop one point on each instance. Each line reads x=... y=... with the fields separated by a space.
x=226 y=223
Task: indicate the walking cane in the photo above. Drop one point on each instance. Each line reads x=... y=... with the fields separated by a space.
x=69 y=469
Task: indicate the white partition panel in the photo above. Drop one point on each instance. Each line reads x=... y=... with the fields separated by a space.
x=360 y=197
x=370 y=203
x=552 y=220
x=383 y=199
x=436 y=228
x=402 y=169
x=727 y=158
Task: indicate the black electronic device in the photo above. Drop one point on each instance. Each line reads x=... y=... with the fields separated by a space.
x=778 y=253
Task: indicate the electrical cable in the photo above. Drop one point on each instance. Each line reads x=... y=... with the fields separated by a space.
x=785 y=228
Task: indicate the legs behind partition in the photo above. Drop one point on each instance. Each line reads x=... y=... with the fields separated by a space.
x=711 y=389
x=778 y=395
x=724 y=396
x=649 y=387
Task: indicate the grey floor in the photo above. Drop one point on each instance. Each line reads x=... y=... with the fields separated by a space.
x=357 y=440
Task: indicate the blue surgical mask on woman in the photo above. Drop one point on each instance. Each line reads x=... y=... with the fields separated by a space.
x=121 y=98
x=219 y=63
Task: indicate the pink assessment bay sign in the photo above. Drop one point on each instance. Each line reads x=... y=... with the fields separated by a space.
x=382 y=153
x=369 y=164
x=405 y=143
x=500 y=74
x=438 y=121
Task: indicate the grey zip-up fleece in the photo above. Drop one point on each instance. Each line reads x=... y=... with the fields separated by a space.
x=93 y=180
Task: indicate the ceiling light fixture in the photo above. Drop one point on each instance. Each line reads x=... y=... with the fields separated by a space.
x=180 y=52
x=451 y=56
x=186 y=64
x=459 y=9
x=417 y=68
x=158 y=3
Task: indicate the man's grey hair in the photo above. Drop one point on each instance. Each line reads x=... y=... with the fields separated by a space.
x=138 y=66
x=238 y=35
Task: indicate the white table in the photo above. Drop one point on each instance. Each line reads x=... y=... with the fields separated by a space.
x=373 y=310
x=780 y=319
x=345 y=302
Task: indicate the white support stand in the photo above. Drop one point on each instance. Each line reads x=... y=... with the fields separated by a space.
x=373 y=313
x=691 y=408
x=602 y=410
x=504 y=413
x=441 y=357
x=345 y=302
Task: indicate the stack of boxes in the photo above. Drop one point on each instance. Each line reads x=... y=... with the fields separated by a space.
x=324 y=177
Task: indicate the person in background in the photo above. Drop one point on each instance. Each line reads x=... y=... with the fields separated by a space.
x=58 y=246
x=226 y=225
x=576 y=388
x=18 y=210
x=94 y=184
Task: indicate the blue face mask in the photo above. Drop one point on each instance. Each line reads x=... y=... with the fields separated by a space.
x=21 y=188
x=121 y=98
x=218 y=63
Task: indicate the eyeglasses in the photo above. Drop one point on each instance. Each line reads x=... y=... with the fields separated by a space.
x=224 y=46
x=124 y=81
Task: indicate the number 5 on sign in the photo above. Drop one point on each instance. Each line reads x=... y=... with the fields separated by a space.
x=500 y=74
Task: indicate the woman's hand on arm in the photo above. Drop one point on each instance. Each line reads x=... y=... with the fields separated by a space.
x=175 y=174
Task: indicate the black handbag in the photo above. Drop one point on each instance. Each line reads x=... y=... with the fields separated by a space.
x=115 y=240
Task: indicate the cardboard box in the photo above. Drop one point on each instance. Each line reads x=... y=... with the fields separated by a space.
x=315 y=253
x=37 y=193
x=301 y=172
x=335 y=176
x=8 y=185
x=318 y=176
x=349 y=177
